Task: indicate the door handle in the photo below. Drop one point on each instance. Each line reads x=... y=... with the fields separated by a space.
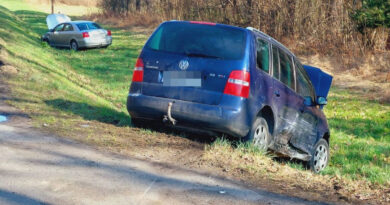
x=277 y=93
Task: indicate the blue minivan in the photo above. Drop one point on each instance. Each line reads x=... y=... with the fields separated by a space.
x=235 y=81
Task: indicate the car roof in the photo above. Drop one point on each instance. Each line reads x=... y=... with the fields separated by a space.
x=272 y=40
x=206 y=23
x=81 y=21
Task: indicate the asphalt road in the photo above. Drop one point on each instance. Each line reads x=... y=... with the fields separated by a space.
x=38 y=168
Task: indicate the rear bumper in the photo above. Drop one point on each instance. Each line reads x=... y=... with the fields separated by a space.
x=92 y=43
x=195 y=115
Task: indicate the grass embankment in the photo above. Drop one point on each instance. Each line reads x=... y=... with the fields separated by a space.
x=82 y=95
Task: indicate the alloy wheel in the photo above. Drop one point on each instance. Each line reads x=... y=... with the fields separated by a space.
x=320 y=158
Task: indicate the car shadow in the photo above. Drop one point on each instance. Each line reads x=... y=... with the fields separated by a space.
x=121 y=119
x=90 y=112
x=16 y=198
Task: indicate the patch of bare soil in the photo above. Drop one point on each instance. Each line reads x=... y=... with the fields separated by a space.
x=196 y=153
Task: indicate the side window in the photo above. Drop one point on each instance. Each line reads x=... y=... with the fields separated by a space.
x=286 y=70
x=275 y=65
x=304 y=87
x=59 y=28
x=262 y=55
x=68 y=27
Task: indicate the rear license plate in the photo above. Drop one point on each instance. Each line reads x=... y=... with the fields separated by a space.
x=182 y=78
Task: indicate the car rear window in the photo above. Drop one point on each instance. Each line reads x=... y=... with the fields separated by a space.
x=88 y=26
x=199 y=40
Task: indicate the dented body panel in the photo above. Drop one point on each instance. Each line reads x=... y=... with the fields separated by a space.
x=295 y=127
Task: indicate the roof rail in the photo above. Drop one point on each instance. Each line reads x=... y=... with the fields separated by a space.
x=256 y=30
x=270 y=38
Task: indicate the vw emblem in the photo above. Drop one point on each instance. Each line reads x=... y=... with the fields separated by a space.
x=183 y=65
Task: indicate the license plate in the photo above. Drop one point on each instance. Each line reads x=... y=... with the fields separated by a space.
x=182 y=79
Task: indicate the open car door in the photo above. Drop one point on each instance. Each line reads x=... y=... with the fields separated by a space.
x=320 y=80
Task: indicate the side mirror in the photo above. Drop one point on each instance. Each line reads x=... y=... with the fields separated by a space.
x=307 y=101
x=321 y=101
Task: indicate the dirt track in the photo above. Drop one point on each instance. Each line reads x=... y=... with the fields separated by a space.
x=38 y=168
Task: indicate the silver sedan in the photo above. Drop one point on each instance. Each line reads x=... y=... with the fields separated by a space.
x=78 y=34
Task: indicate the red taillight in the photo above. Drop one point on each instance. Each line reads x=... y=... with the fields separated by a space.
x=138 y=74
x=108 y=33
x=238 y=84
x=85 y=35
x=202 y=22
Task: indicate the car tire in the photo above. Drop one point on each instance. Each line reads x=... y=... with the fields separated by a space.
x=320 y=156
x=259 y=135
x=74 y=46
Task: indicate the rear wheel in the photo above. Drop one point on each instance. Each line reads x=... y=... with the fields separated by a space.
x=320 y=156
x=259 y=134
x=74 y=46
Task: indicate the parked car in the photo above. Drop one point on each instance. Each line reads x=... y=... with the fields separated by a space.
x=75 y=34
x=236 y=81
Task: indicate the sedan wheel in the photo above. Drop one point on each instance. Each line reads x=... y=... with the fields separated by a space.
x=74 y=46
x=320 y=156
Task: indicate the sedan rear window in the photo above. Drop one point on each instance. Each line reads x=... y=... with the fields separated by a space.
x=88 y=26
x=199 y=40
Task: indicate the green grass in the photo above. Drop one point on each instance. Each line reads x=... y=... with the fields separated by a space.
x=360 y=137
x=92 y=85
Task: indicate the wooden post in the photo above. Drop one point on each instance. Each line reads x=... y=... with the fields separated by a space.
x=52 y=6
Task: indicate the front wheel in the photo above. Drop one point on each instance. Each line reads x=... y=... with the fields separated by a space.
x=259 y=134
x=320 y=156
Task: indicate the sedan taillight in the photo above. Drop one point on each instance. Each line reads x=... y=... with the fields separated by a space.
x=85 y=35
x=108 y=33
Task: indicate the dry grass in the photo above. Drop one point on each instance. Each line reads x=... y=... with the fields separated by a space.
x=263 y=171
x=143 y=20
x=88 y=3
x=370 y=75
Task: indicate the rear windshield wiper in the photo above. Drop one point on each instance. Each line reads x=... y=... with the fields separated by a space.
x=201 y=55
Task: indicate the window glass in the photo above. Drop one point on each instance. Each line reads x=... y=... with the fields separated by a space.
x=275 y=57
x=88 y=26
x=304 y=87
x=286 y=70
x=59 y=28
x=68 y=27
x=262 y=55
x=199 y=40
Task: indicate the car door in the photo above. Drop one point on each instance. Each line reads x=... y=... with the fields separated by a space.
x=66 y=35
x=262 y=81
x=55 y=40
x=306 y=134
x=285 y=101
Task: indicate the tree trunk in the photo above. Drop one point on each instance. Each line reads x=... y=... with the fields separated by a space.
x=388 y=43
x=52 y=6
x=138 y=5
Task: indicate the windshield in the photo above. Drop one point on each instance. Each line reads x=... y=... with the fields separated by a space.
x=88 y=26
x=199 y=40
